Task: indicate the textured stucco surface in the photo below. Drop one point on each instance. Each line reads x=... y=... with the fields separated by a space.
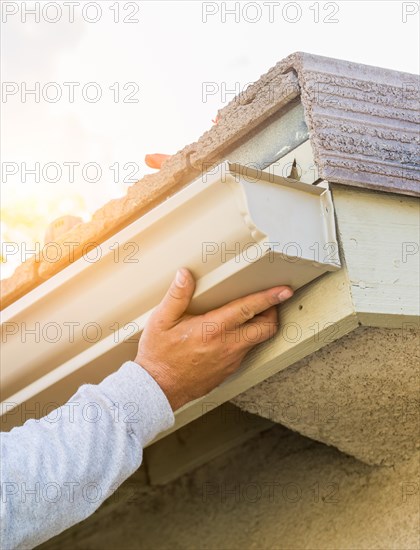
x=277 y=491
x=360 y=394
x=362 y=125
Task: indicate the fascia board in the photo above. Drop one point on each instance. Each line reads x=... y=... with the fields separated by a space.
x=379 y=235
x=216 y=209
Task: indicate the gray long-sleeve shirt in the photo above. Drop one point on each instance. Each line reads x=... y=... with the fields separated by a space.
x=58 y=470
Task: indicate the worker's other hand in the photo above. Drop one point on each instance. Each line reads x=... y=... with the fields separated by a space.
x=155 y=160
x=189 y=355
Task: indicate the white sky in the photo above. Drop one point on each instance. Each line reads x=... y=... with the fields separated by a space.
x=169 y=54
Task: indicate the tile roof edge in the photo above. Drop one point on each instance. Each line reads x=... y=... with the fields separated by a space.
x=274 y=90
x=333 y=88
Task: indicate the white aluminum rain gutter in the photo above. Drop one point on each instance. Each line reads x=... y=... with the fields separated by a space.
x=237 y=229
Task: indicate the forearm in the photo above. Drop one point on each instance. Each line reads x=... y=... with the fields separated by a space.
x=57 y=471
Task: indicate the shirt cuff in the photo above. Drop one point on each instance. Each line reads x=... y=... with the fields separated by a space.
x=139 y=401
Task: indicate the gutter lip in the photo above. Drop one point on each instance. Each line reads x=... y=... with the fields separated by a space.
x=270 y=177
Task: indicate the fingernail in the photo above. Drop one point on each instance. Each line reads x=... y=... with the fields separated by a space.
x=180 y=278
x=285 y=294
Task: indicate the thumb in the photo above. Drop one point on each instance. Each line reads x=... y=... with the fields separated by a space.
x=177 y=299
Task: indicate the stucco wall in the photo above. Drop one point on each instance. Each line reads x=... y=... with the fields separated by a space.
x=359 y=393
x=279 y=490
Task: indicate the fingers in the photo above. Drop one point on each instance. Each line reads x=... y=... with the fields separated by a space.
x=244 y=336
x=243 y=310
x=261 y=328
x=156 y=160
x=176 y=300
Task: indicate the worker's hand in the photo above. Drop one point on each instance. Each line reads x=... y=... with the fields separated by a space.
x=155 y=160
x=189 y=355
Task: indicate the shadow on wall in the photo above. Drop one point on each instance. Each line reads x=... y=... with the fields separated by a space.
x=279 y=490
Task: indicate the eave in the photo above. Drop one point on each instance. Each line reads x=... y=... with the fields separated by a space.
x=377 y=287
x=321 y=312
x=233 y=228
x=326 y=308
